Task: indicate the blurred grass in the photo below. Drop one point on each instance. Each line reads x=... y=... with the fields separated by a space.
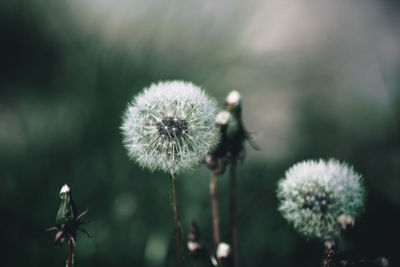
x=67 y=75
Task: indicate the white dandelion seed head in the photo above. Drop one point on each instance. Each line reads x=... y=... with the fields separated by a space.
x=65 y=189
x=233 y=98
x=169 y=126
x=313 y=194
x=222 y=118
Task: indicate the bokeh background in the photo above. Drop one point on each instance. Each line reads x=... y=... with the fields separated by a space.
x=319 y=79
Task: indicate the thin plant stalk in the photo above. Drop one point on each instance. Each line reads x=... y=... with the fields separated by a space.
x=232 y=212
x=214 y=202
x=69 y=253
x=178 y=232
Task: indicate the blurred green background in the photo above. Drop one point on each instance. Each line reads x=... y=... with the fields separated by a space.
x=319 y=79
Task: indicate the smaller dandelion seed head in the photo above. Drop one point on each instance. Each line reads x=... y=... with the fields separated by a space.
x=313 y=194
x=169 y=126
x=233 y=98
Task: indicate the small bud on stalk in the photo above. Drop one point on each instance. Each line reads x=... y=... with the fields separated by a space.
x=194 y=245
x=223 y=251
x=67 y=222
x=236 y=132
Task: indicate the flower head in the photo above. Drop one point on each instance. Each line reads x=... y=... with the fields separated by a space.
x=170 y=126
x=314 y=194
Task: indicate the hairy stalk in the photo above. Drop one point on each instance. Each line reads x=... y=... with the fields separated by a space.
x=178 y=235
x=232 y=213
x=214 y=198
x=69 y=253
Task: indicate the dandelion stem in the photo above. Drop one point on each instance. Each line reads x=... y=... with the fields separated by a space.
x=232 y=213
x=178 y=232
x=214 y=200
x=69 y=253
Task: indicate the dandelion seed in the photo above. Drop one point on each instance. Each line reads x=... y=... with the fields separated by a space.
x=314 y=194
x=170 y=126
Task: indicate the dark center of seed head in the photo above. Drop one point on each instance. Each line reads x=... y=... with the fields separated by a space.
x=172 y=127
x=317 y=201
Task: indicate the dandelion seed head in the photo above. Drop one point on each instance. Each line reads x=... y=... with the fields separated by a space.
x=313 y=194
x=169 y=126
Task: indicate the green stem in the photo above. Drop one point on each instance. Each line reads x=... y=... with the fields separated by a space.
x=214 y=200
x=178 y=235
x=232 y=213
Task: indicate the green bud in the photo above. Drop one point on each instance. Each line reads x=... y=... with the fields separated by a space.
x=67 y=211
x=235 y=131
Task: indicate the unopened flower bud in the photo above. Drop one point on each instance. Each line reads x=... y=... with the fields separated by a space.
x=223 y=251
x=67 y=210
x=194 y=244
x=67 y=219
x=233 y=99
x=222 y=118
x=65 y=190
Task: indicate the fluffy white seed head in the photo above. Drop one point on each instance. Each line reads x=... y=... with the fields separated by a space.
x=169 y=126
x=233 y=98
x=65 y=189
x=314 y=194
